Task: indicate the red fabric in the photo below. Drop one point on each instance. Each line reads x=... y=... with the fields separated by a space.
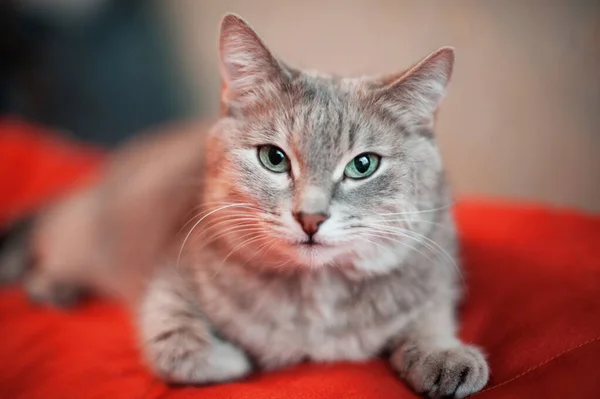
x=35 y=167
x=533 y=304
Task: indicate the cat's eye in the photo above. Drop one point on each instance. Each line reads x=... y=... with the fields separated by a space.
x=362 y=166
x=273 y=158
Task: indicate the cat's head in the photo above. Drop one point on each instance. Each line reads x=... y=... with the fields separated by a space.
x=311 y=170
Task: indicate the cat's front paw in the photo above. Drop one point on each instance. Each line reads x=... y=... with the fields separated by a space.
x=455 y=372
x=182 y=357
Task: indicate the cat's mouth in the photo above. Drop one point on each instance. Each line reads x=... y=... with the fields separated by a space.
x=309 y=244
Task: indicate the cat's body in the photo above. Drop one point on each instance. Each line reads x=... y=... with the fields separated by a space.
x=109 y=235
x=320 y=315
x=323 y=233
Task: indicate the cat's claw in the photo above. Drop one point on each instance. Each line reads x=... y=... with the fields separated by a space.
x=439 y=373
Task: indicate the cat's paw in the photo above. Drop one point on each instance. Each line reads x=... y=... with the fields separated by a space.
x=43 y=289
x=455 y=372
x=181 y=357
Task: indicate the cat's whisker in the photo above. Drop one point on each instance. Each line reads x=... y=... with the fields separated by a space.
x=236 y=230
x=379 y=245
x=241 y=221
x=229 y=220
x=423 y=239
x=382 y=235
x=237 y=215
x=200 y=221
x=260 y=249
x=336 y=265
x=232 y=226
x=406 y=234
x=446 y=206
x=203 y=213
x=427 y=242
x=274 y=242
x=419 y=238
x=411 y=221
x=283 y=264
x=244 y=243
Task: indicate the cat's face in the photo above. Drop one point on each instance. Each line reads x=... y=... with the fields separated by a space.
x=314 y=170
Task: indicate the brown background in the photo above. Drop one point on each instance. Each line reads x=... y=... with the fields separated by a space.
x=521 y=119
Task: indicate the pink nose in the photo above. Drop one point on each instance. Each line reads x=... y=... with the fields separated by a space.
x=310 y=222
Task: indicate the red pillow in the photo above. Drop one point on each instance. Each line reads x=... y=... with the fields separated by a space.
x=533 y=304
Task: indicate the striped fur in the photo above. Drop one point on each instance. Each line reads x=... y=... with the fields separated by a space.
x=236 y=288
x=249 y=281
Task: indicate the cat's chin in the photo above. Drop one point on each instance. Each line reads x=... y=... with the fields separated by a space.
x=315 y=255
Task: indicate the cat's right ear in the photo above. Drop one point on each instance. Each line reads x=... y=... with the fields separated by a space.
x=247 y=66
x=416 y=93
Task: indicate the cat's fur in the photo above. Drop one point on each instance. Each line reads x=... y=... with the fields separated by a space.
x=237 y=287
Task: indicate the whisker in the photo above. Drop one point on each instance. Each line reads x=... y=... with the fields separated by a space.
x=228 y=220
x=207 y=211
x=200 y=221
x=416 y=221
x=376 y=243
x=382 y=235
x=260 y=249
x=446 y=206
x=283 y=263
x=406 y=232
x=246 y=242
x=233 y=230
x=427 y=242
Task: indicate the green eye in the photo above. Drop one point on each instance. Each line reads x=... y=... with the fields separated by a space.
x=273 y=158
x=362 y=166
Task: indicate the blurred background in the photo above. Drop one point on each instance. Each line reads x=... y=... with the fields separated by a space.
x=521 y=120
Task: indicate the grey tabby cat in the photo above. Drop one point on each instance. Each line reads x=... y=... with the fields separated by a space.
x=325 y=235
x=330 y=236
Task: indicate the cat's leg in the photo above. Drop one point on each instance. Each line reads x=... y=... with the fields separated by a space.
x=435 y=362
x=177 y=341
x=44 y=288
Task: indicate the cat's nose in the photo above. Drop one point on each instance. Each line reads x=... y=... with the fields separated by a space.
x=310 y=222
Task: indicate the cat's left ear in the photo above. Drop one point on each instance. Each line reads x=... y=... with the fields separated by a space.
x=417 y=92
x=247 y=66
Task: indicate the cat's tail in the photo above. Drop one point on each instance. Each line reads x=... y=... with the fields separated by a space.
x=16 y=253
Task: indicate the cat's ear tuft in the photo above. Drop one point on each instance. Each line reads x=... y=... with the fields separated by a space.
x=418 y=91
x=246 y=62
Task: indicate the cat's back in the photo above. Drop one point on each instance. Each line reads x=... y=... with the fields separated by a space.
x=123 y=222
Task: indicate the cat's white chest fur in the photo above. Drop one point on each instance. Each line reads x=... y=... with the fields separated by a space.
x=319 y=317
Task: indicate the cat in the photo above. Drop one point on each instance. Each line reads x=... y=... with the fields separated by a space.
x=323 y=229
